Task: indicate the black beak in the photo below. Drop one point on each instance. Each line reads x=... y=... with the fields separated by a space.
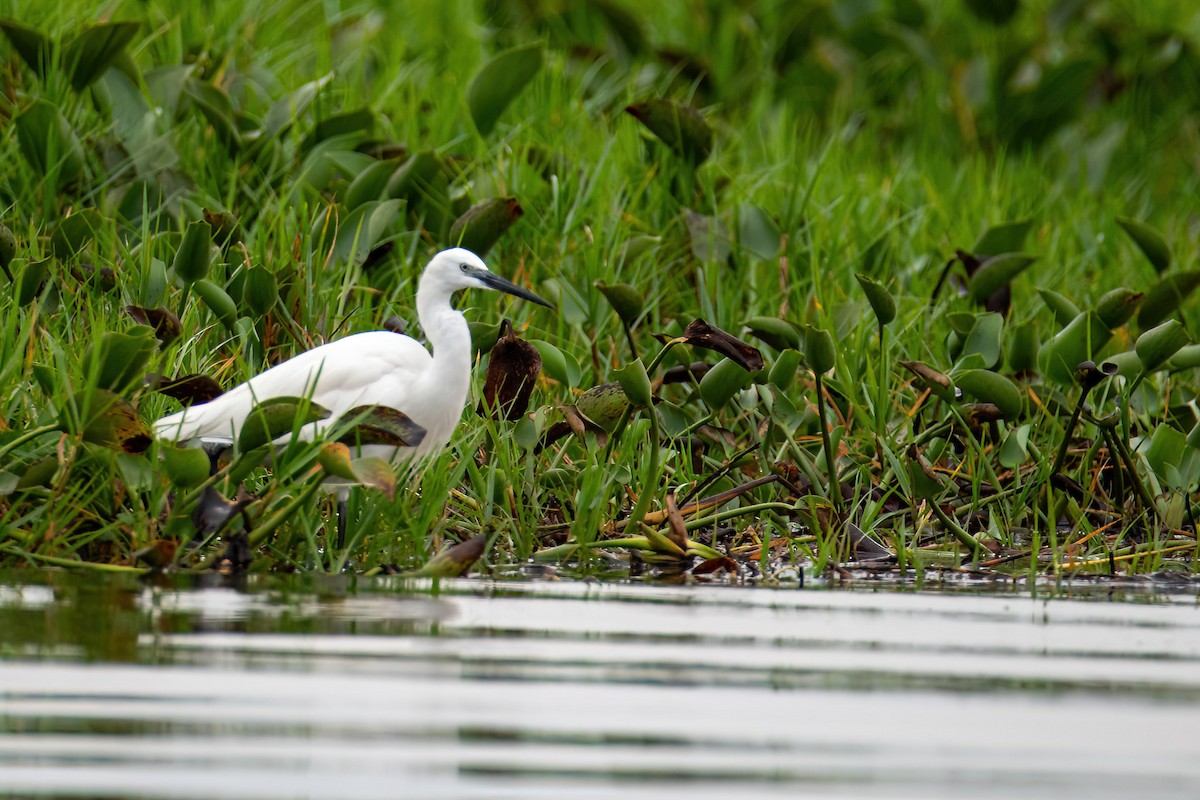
x=494 y=281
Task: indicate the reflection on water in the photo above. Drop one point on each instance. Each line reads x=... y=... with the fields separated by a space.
x=314 y=687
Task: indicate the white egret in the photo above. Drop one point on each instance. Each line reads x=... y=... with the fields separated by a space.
x=376 y=368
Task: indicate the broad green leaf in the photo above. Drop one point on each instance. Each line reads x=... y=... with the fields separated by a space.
x=75 y=232
x=1023 y=344
x=1158 y=344
x=997 y=12
x=635 y=247
x=635 y=383
x=218 y=301
x=984 y=341
x=779 y=333
x=722 y=382
x=758 y=232
x=260 y=290
x=603 y=404
x=1165 y=453
x=214 y=105
x=32 y=281
x=186 y=467
x=681 y=128
x=1079 y=341
x=194 y=255
x=1116 y=308
x=1007 y=237
x=1014 y=452
x=284 y=112
x=624 y=299
x=1166 y=296
x=819 y=351
x=8 y=249
x=334 y=458
x=483 y=335
x=95 y=49
x=120 y=359
x=352 y=126
x=274 y=418
x=370 y=184
x=991 y=387
x=49 y=143
x=1060 y=306
x=783 y=371
x=414 y=178
x=499 y=81
x=1149 y=241
x=107 y=419
x=375 y=473
x=995 y=272
x=1186 y=357
x=454 y=561
x=482 y=225
x=881 y=300
x=558 y=366
x=380 y=425
x=363 y=229
x=35 y=49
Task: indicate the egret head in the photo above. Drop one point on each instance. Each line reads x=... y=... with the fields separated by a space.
x=457 y=268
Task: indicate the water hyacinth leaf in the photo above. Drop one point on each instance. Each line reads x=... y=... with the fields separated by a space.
x=218 y=301
x=34 y=48
x=226 y=229
x=996 y=272
x=783 y=371
x=961 y=322
x=757 y=232
x=938 y=382
x=95 y=49
x=1007 y=237
x=376 y=474
x=39 y=474
x=167 y=327
x=1166 y=296
x=482 y=225
x=1117 y=307
x=194 y=255
x=624 y=299
x=1186 y=357
x=455 y=561
x=379 y=425
x=286 y=110
x=110 y=420
x=1015 y=450
x=32 y=281
x=681 y=128
x=276 y=417
x=8 y=249
x=722 y=382
x=819 y=351
x=186 y=467
x=709 y=238
x=1149 y=241
x=1165 y=453
x=334 y=458
x=700 y=334
x=188 y=389
x=260 y=290
x=513 y=369
x=75 y=232
x=778 y=333
x=997 y=12
x=991 y=387
x=1126 y=364
x=413 y=179
x=635 y=383
x=603 y=405
x=984 y=341
x=1158 y=344
x=363 y=229
x=499 y=81
x=635 y=247
x=556 y=364
x=1060 y=306
x=119 y=360
x=1079 y=341
x=881 y=300
x=354 y=125
x=483 y=335
x=49 y=143
x=1193 y=437
x=214 y=105
x=370 y=184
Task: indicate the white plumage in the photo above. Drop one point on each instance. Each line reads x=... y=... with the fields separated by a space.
x=377 y=368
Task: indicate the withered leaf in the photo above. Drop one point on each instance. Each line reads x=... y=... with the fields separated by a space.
x=167 y=327
x=513 y=368
x=381 y=425
x=700 y=334
x=187 y=389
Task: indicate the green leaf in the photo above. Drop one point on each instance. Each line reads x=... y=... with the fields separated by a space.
x=1023 y=344
x=454 y=561
x=1007 y=237
x=995 y=272
x=783 y=371
x=380 y=425
x=558 y=366
x=1060 y=306
x=635 y=383
x=194 y=255
x=120 y=359
x=1116 y=308
x=363 y=229
x=36 y=50
x=1158 y=344
x=758 y=232
x=286 y=110
x=75 y=232
x=635 y=247
x=1166 y=296
x=1149 y=241
x=722 y=382
x=624 y=299
x=8 y=249
x=260 y=290
x=819 y=351
x=1015 y=450
x=218 y=301
x=991 y=387
x=984 y=340
x=186 y=467
x=49 y=143
x=779 y=333
x=681 y=128
x=603 y=404
x=938 y=382
x=997 y=12
x=215 y=106
x=356 y=124
x=482 y=225
x=375 y=473
x=334 y=458
x=499 y=81
x=1079 y=341
x=276 y=417
x=881 y=300
x=1165 y=452
x=370 y=184
x=32 y=281
x=95 y=49
x=108 y=419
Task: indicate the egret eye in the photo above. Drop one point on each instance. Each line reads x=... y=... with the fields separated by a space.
x=464 y=267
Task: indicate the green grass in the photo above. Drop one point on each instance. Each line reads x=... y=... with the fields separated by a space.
x=878 y=144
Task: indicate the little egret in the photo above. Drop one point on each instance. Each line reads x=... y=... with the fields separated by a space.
x=376 y=368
